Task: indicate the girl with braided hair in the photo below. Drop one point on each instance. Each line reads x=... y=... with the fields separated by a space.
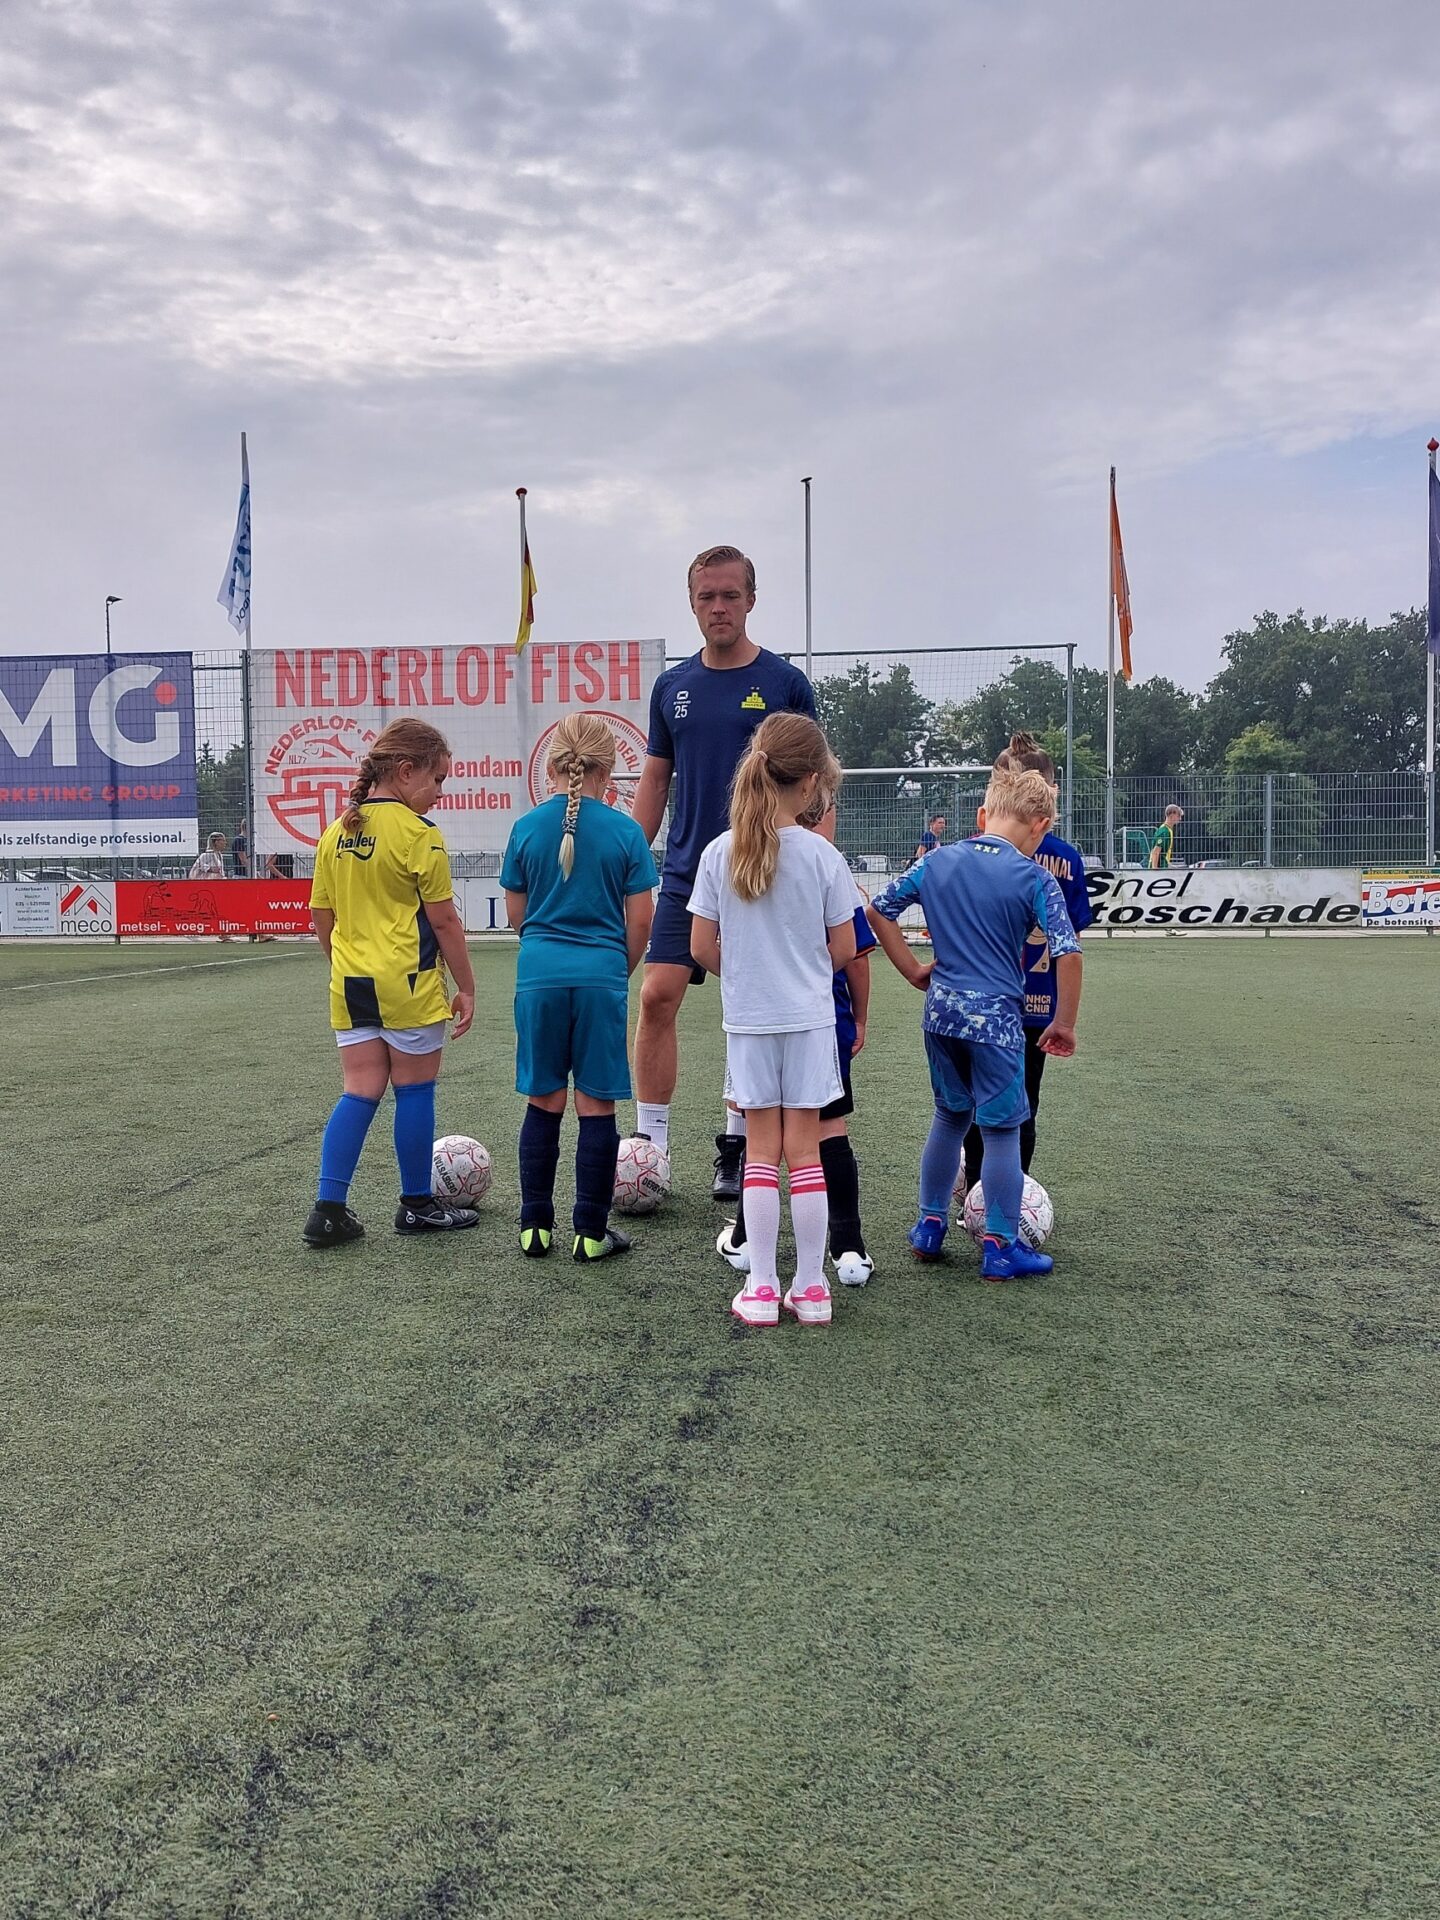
x=384 y=911
x=578 y=880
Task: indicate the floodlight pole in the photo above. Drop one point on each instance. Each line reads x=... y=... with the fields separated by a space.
x=1432 y=449
x=112 y=600
x=805 y=483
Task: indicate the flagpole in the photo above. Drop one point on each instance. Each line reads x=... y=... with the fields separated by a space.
x=805 y=483
x=247 y=703
x=1432 y=449
x=1110 y=689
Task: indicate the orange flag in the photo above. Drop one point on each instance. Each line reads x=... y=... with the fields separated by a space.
x=1120 y=584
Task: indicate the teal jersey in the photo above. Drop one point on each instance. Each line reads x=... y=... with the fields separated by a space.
x=574 y=930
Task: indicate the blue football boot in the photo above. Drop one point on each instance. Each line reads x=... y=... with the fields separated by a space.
x=927 y=1236
x=1012 y=1260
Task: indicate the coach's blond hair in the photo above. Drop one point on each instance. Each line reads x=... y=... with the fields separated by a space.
x=783 y=750
x=1019 y=796
x=718 y=557
x=582 y=744
x=405 y=739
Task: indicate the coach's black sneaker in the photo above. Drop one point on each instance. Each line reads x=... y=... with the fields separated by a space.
x=729 y=1166
x=536 y=1242
x=425 y=1214
x=586 y=1250
x=331 y=1224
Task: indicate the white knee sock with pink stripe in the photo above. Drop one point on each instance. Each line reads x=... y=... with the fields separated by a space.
x=762 y=1223
x=810 y=1213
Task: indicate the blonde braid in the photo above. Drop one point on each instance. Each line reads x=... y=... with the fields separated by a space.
x=365 y=777
x=566 y=855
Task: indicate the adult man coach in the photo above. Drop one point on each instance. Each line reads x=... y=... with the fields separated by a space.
x=702 y=714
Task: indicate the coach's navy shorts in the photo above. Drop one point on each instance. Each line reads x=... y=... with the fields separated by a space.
x=670 y=936
x=988 y=1081
x=565 y=1031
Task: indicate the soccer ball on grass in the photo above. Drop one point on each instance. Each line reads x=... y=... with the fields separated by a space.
x=1037 y=1215
x=460 y=1172
x=642 y=1176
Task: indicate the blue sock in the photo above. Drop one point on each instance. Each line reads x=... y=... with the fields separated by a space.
x=1004 y=1182
x=345 y=1133
x=415 y=1139
x=940 y=1162
x=539 y=1157
x=595 y=1156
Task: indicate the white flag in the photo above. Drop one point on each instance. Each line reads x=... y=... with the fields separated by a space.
x=234 y=594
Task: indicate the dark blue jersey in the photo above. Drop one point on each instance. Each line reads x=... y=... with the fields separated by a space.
x=701 y=720
x=1057 y=856
x=844 y=1011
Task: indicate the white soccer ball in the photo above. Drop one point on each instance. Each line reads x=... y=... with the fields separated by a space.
x=1037 y=1215
x=642 y=1176
x=460 y=1172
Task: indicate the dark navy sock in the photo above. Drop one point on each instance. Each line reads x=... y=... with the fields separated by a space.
x=539 y=1157
x=415 y=1138
x=595 y=1157
x=345 y=1133
x=842 y=1184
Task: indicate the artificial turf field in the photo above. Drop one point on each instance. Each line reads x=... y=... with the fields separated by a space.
x=417 y=1579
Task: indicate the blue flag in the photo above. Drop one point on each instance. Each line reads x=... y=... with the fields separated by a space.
x=1432 y=632
x=234 y=594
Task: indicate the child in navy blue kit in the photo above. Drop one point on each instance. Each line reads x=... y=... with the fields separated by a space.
x=578 y=880
x=1057 y=856
x=851 y=986
x=981 y=899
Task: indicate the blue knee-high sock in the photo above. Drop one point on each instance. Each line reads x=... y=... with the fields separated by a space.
x=1004 y=1182
x=940 y=1162
x=415 y=1138
x=595 y=1157
x=345 y=1133
x=539 y=1157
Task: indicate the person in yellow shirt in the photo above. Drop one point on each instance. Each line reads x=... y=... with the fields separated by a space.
x=1162 y=846
x=382 y=902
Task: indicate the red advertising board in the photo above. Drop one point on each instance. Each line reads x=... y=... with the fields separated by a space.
x=212 y=906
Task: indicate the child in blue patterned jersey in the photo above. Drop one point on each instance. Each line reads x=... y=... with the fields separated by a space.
x=981 y=899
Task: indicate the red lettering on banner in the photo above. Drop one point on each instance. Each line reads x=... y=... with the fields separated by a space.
x=502 y=673
x=380 y=665
x=289 y=680
x=349 y=677
x=472 y=676
x=589 y=681
x=438 y=696
x=410 y=663
x=320 y=694
x=539 y=657
x=212 y=906
x=624 y=663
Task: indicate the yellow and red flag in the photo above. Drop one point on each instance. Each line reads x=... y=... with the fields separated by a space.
x=1120 y=583
x=527 y=581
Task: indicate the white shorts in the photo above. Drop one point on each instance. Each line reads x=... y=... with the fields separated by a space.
x=403 y=1039
x=797 y=1070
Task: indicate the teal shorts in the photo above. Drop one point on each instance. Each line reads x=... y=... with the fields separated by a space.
x=987 y=1082
x=565 y=1033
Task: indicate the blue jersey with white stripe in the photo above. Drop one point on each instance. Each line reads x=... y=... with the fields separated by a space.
x=982 y=898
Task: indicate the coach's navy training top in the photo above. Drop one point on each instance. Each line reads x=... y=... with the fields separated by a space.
x=701 y=719
x=981 y=899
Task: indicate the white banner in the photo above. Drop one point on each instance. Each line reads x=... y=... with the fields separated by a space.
x=1190 y=899
x=1402 y=900
x=315 y=711
x=58 y=910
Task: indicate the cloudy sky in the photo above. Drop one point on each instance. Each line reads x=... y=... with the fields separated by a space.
x=657 y=260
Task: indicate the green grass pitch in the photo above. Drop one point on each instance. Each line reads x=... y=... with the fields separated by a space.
x=420 y=1580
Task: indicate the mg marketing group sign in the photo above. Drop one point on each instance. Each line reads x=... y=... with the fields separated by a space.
x=97 y=756
x=317 y=709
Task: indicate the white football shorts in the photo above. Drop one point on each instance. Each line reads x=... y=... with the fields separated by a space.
x=798 y=1070
x=403 y=1039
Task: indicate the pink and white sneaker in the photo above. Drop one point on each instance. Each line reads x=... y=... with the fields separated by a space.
x=757 y=1308
x=810 y=1305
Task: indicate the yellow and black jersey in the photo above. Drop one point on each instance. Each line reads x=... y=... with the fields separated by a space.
x=385 y=967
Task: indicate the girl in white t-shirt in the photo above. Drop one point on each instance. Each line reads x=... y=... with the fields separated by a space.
x=772 y=912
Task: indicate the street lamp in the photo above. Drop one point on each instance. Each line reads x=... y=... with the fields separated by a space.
x=111 y=600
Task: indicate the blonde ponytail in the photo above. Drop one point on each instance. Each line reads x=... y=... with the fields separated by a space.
x=582 y=744
x=783 y=750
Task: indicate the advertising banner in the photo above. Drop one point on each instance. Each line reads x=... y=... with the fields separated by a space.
x=52 y=910
x=212 y=906
x=1402 y=900
x=97 y=756
x=317 y=709
x=1190 y=899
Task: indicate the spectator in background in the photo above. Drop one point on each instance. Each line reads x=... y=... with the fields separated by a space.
x=240 y=849
x=930 y=839
x=210 y=865
x=1162 y=844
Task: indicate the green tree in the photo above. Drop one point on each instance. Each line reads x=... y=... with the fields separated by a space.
x=220 y=789
x=1262 y=752
x=874 y=721
x=1157 y=723
x=1350 y=697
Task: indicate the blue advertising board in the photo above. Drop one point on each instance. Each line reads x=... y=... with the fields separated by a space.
x=97 y=756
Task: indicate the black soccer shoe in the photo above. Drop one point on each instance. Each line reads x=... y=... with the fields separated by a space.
x=331 y=1224
x=729 y=1166
x=587 y=1251
x=536 y=1242
x=428 y=1215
